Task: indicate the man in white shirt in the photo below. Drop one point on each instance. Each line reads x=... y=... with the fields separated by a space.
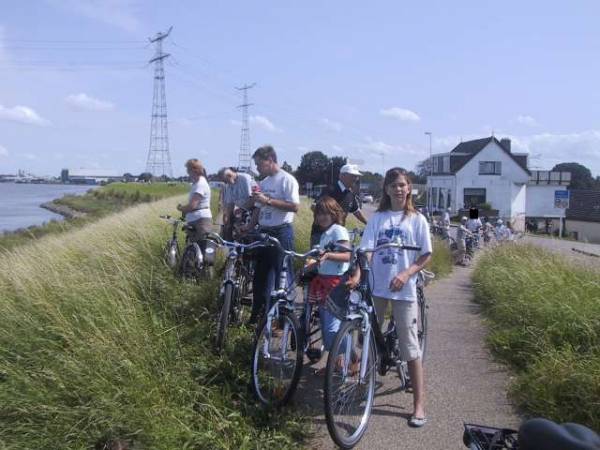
x=277 y=202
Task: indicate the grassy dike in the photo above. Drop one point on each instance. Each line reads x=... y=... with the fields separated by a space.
x=544 y=318
x=100 y=341
x=91 y=206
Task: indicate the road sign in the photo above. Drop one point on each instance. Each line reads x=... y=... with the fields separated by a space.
x=561 y=199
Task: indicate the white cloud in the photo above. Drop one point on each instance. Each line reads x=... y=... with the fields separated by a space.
x=29 y=156
x=3 y=151
x=337 y=149
x=265 y=124
x=405 y=115
x=235 y=123
x=118 y=13
x=330 y=125
x=527 y=120
x=22 y=114
x=84 y=102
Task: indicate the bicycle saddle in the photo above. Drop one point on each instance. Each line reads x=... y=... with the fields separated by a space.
x=543 y=434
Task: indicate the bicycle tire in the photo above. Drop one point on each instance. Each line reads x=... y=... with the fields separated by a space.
x=188 y=267
x=422 y=322
x=171 y=253
x=224 y=317
x=239 y=310
x=345 y=435
x=274 y=382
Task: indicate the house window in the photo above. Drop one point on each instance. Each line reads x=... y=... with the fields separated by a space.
x=446 y=164
x=490 y=168
x=436 y=165
x=449 y=202
x=473 y=197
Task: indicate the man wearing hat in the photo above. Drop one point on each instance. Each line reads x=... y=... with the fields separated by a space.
x=345 y=193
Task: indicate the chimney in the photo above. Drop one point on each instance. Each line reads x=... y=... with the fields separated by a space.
x=505 y=142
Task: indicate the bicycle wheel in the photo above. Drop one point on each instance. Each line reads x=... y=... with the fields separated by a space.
x=277 y=362
x=311 y=328
x=224 y=317
x=422 y=322
x=348 y=399
x=191 y=262
x=171 y=253
x=242 y=299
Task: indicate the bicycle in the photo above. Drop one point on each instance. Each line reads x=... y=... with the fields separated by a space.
x=349 y=391
x=235 y=292
x=533 y=434
x=193 y=264
x=278 y=352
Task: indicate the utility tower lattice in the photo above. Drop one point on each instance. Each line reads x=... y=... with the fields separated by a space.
x=159 y=160
x=244 y=162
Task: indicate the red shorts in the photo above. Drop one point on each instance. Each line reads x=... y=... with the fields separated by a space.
x=321 y=286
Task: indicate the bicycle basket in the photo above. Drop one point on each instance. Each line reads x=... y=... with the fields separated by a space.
x=481 y=437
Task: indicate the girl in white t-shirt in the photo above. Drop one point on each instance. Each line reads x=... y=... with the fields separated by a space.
x=329 y=217
x=395 y=273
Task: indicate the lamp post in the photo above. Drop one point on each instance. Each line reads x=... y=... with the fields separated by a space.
x=429 y=181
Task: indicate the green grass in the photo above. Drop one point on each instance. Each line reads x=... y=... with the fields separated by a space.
x=95 y=203
x=544 y=316
x=99 y=340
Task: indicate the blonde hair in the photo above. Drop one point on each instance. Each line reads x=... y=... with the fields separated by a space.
x=196 y=167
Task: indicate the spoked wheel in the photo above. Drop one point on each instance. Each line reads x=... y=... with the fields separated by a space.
x=191 y=262
x=171 y=253
x=311 y=326
x=224 y=316
x=277 y=362
x=348 y=398
x=240 y=311
x=422 y=323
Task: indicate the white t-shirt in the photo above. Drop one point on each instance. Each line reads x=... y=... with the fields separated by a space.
x=281 y=186
x=334 y=233
x=473 y=225
x=202 y=188
x=384 y=227
x=240 y=191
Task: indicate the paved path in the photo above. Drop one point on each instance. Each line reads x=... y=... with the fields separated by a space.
x=463 y=383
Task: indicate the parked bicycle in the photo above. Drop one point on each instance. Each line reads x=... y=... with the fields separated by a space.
x=235 y=294
x=193 y=263
x=361 y=349
x=278 y=352
x=533 y=434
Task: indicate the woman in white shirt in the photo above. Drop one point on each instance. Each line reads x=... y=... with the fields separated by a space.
x=395 y=273
x=197 y=209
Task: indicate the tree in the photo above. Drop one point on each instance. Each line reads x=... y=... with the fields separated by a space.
x=145 y=176
x=371 y=183
x=288 y=168
x=128 y=177
x=581 y=176
x=313 y=168
x=335 y=164
x=423 y=170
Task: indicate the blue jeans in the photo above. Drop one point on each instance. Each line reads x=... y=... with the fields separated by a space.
x=268 y=267
x=329 y=326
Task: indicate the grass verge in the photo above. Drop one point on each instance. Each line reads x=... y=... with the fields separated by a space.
x=544 y=317
x=100 y=341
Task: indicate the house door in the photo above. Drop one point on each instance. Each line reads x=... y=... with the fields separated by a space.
x=473 y=197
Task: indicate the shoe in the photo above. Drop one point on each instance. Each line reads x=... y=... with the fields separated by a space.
x=417 y=422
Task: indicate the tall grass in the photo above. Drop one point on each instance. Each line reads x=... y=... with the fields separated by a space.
x=99 y=340
x=544 y=316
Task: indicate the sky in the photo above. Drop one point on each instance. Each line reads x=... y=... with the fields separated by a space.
x=364 y=80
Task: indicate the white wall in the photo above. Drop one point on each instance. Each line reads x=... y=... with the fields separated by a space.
x=586 y=231
x=499 y=188
x=540 y=200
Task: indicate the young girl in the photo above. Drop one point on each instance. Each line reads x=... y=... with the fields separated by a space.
x=329 y=216
x=394 y=272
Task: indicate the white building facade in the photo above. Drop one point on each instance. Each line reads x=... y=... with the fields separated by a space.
x=486 y=171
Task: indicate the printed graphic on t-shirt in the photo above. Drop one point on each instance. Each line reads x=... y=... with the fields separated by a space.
x=385 y=236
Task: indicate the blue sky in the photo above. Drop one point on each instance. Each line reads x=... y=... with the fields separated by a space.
x=344 y=77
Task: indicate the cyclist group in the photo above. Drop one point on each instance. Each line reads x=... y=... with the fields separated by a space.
x=275 y=200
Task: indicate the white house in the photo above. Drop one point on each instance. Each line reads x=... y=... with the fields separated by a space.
x=487 y=171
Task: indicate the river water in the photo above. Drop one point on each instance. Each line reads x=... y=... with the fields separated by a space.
x=20 y=203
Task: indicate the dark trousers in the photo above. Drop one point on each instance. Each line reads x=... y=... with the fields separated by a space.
x=269 y=261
